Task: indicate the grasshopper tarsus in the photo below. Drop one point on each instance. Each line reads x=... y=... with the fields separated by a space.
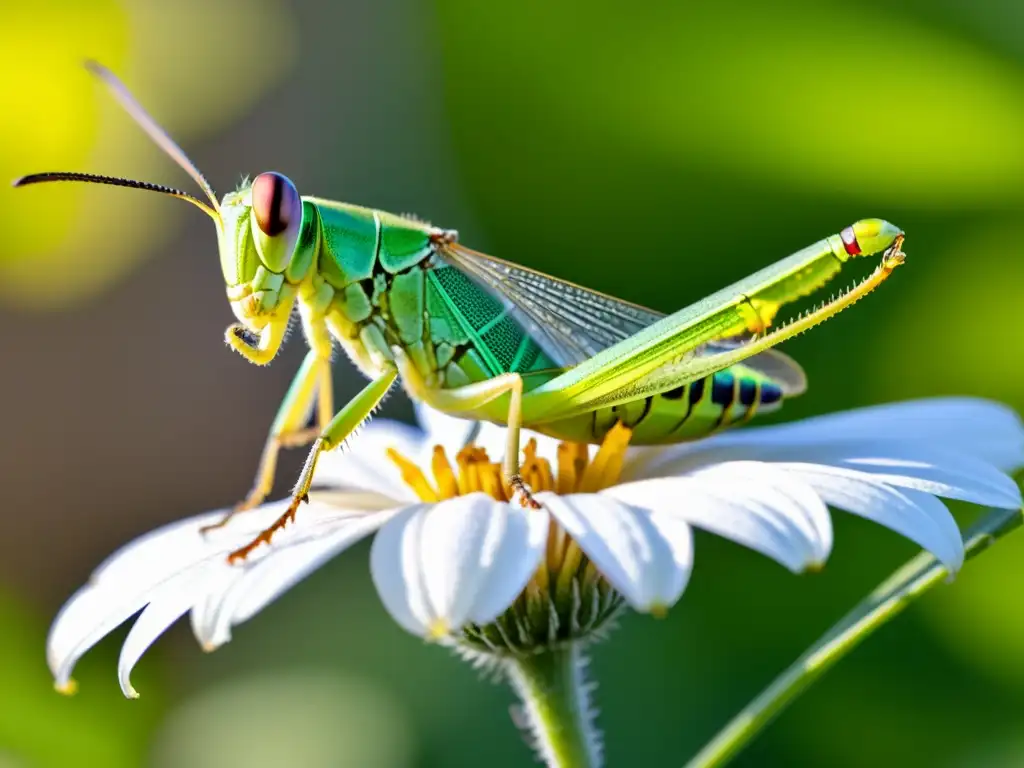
x=522 y=492
x=245 y=335
x=265 y=536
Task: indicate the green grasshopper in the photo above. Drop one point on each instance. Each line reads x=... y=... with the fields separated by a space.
x=482 y=338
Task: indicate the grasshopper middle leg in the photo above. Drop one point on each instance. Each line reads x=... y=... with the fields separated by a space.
x=344 y=423
x=311 y=387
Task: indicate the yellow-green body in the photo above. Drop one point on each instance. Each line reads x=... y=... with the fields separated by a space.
x=378 y=282
x=482 y=338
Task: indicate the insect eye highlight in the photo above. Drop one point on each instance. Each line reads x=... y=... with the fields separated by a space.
x=276 y=204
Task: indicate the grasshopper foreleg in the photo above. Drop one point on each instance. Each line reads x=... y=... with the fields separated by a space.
x=311 y=386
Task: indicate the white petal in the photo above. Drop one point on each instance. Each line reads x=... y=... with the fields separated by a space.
x=756 y=505
x=920 y=517
x=667 y=580
x=438 y=567
x=155 y=565
x=986 y=431
x=363 y=462
x=983 y=428
x=939 y=473
x=646 y=558
x=168 y=603
x=253 y=587
x=124 y=583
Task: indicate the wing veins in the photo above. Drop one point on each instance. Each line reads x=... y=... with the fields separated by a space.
x=573 y=324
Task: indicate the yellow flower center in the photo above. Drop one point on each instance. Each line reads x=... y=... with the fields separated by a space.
x=574 y=471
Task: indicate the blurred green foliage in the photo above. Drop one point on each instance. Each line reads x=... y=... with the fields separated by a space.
x=43 y=729
x=655 y=150
x=56 y=118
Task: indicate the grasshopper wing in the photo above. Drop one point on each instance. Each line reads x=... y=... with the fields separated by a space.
x=569 y=322
x=572 y=323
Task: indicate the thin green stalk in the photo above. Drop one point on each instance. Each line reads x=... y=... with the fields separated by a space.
x=911 y=581
x=557 y=708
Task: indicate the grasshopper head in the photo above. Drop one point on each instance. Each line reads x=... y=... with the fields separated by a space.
x=267 y=238
x=266 y=234
x=870 y=236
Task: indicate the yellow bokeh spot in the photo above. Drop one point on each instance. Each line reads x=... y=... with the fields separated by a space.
x=51 y=113
x=67 y=241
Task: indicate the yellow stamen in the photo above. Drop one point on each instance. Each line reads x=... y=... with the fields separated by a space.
x=541 y=578
x=566 y=481
x=507 y=491
x=556 y=546
x=545 y=480
x=570 y=564
x=413 y=476
x=659 y=610
x=475 y=472
x=70 y=688
x=528 y=467
x=490 y=480
x=530 y=450
x=447 y=484
x=535 y=591
x=466 y=459
x=606 y=467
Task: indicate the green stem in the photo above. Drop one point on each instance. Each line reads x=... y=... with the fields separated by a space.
x=557 y=708
x=911 y=581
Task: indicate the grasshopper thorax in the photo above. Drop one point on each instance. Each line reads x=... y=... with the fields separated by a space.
x=268 y=237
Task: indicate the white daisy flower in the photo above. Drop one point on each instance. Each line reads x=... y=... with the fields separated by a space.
x=454 y=561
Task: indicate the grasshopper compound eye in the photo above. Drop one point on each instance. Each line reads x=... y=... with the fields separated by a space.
x=275 y=203
x=869 y=236
x=277 y=216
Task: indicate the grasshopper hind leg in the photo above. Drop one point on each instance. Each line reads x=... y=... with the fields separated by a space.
x=510 y=465
x=471 y=397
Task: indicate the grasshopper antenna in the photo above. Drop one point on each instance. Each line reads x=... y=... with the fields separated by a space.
x=115 y=181
x=152 y=128
x=159 y=137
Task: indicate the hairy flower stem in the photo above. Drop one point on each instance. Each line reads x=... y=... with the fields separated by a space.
x=907 y=584
x=556 y=706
